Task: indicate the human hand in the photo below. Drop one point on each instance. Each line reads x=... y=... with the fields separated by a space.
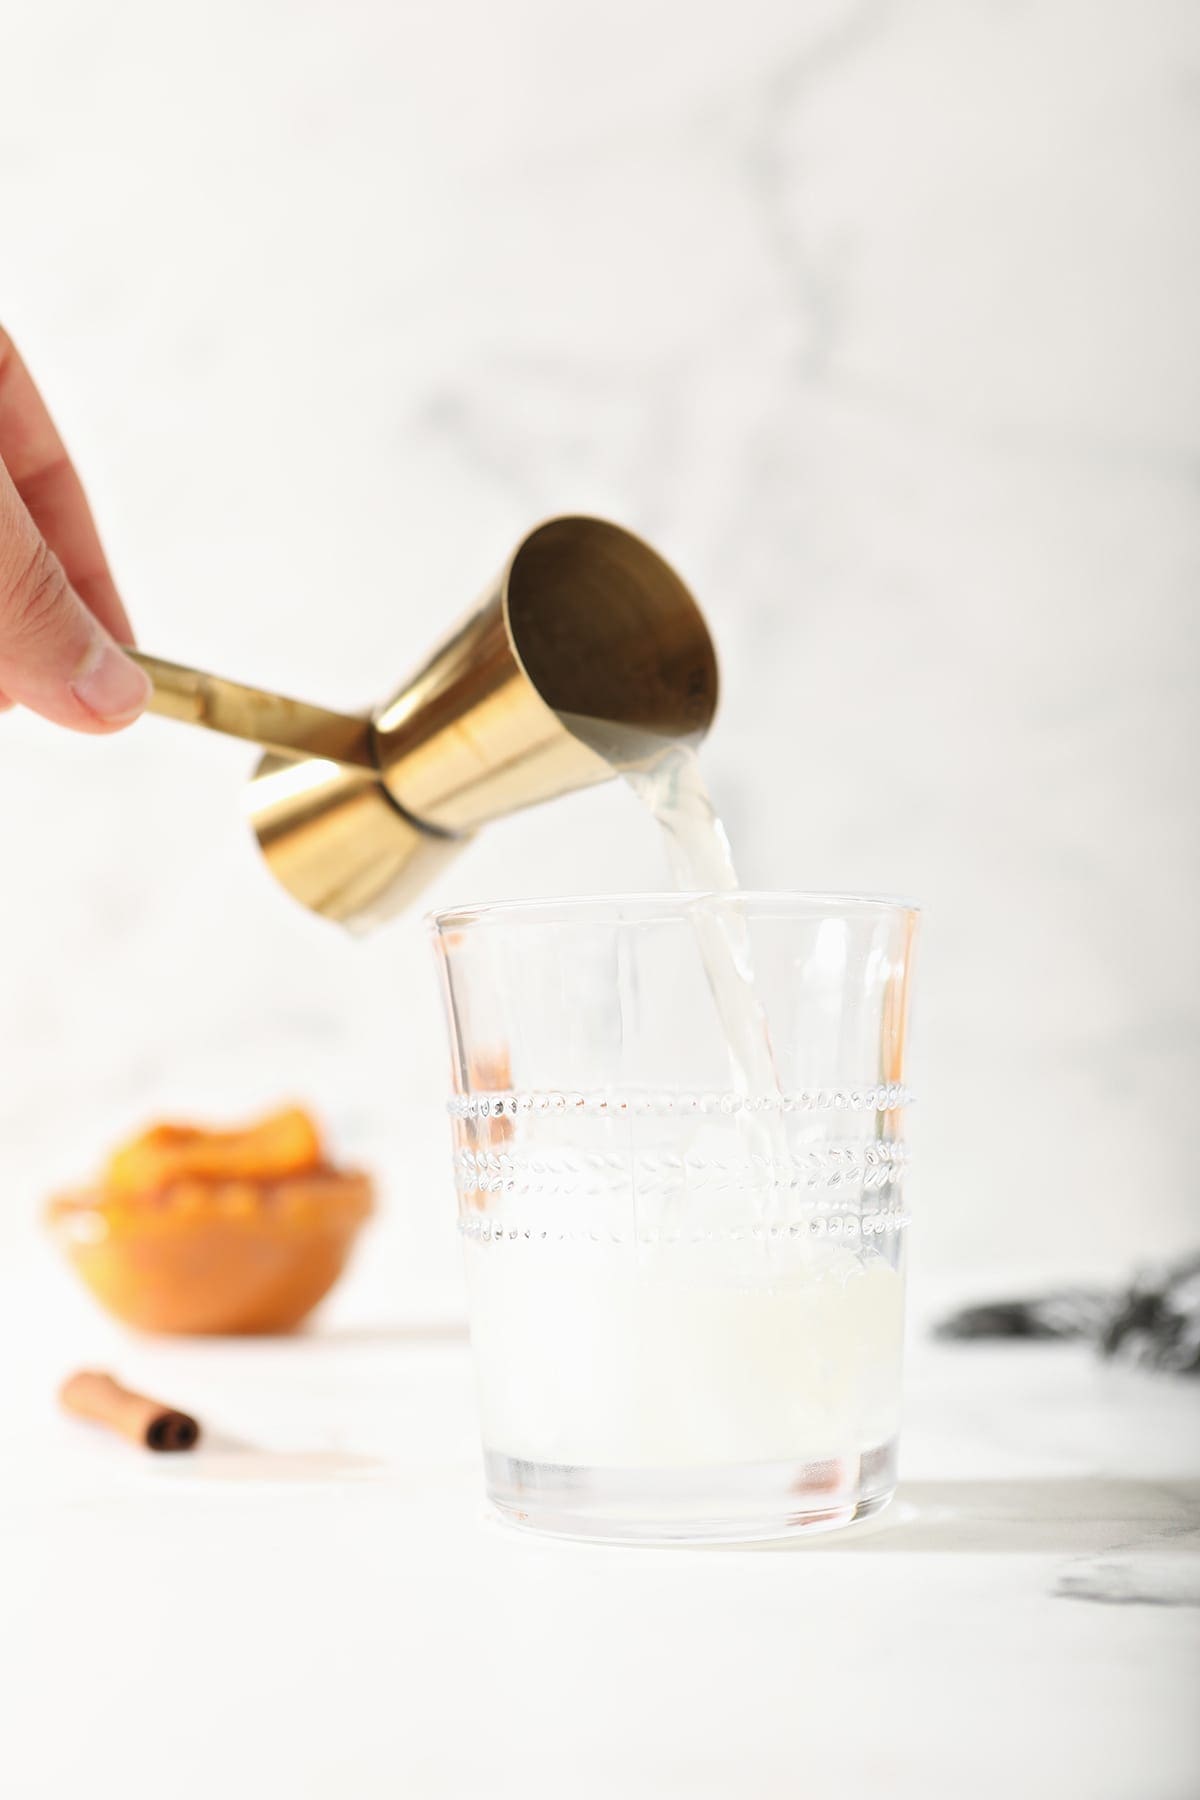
x=61 y=620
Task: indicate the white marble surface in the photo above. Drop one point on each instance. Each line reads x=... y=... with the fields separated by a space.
x=318 y=1605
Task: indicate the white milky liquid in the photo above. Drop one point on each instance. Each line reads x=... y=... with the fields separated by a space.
x=731 y=1344
x=615 y=1356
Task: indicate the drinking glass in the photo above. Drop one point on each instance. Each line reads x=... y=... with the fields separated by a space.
x=677 y=1140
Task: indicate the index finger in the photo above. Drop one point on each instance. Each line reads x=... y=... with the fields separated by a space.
x=44 y=476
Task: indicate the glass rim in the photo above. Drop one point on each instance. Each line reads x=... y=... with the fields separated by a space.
x=645 y=908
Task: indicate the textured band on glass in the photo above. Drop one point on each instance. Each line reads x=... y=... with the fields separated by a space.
x=891 y=1097
x=507 y=1172
x=485 y=1230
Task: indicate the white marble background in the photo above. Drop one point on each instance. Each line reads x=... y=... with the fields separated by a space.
x=879 y=319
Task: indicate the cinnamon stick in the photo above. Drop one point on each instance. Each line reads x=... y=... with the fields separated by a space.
x=94 y=1395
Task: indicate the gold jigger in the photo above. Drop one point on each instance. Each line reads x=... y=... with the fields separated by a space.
x=586 y=650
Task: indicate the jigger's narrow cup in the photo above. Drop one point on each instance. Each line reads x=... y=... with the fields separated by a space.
x=685 y=1287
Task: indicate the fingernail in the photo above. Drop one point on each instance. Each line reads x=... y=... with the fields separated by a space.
x=110 y=686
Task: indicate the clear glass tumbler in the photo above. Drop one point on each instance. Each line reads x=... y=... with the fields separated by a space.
x=685 y=1262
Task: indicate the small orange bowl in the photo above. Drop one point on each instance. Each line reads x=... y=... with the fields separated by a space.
x=208 y=1251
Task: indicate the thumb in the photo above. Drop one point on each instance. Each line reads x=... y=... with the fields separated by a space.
x=55 y=657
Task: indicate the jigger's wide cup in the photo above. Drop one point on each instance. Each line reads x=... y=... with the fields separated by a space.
x=686 y=1298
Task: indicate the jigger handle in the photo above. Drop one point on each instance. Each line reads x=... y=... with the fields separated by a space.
x=289 y=727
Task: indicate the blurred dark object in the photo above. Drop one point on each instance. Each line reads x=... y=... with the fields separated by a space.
x=1155 y=1321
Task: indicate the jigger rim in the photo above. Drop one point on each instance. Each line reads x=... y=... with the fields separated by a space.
x=666 y=576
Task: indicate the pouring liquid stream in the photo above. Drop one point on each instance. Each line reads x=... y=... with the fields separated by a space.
x=667 y=779
x=671 y=787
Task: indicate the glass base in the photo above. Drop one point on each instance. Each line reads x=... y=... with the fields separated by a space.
x=725 y=1504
